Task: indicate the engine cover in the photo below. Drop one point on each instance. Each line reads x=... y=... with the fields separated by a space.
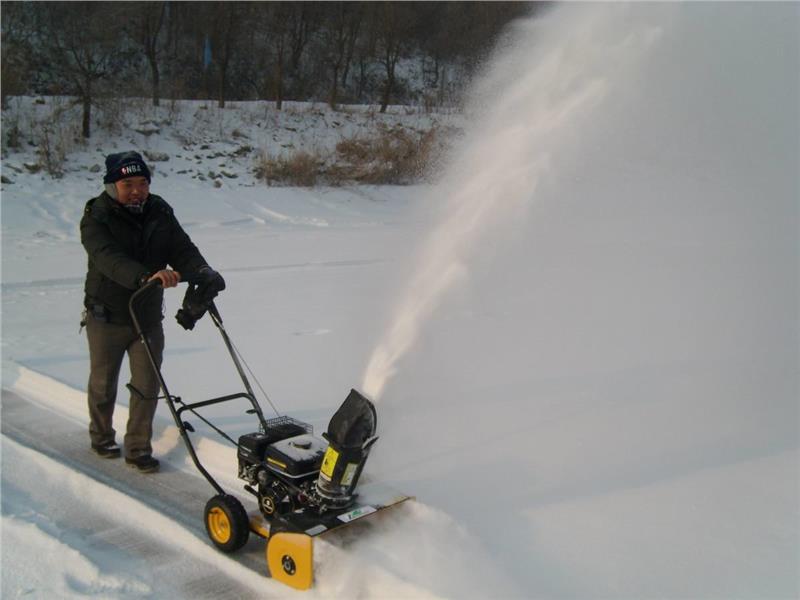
x=296 y=457
x=252 y=447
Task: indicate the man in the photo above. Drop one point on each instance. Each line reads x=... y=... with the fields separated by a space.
x=130 y=236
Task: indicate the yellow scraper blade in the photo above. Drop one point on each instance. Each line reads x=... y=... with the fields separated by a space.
x=290 y=558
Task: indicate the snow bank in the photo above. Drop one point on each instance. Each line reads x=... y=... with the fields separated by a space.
x=73 y=567
x=28 y=551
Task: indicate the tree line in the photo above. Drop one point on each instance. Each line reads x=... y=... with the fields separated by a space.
x=337 y=52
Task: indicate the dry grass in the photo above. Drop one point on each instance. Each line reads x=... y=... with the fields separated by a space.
x=393 y=156
x=299 y=169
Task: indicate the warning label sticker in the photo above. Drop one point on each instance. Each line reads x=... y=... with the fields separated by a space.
x=329 y=462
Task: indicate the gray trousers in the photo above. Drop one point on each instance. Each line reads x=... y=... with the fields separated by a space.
x=108 y=344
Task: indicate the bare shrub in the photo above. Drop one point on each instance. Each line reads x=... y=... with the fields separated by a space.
x=12 y=140
x=354 y=150
x=52 y=151
x=300 y=169
x=112 y=111
x=393 y=156
x=13 y=137
x=17 y=125
x=58 y=135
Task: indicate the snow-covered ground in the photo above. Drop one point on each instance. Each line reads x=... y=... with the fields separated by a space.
x=583 y=342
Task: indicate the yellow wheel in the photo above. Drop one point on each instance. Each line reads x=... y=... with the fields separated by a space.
x=219 y=526
x=227 y=523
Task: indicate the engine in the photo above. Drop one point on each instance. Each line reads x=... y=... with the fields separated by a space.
x=287 y=467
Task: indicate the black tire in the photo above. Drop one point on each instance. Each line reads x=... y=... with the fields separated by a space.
x=227 y=524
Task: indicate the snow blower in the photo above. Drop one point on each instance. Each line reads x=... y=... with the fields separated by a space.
x=304 y=486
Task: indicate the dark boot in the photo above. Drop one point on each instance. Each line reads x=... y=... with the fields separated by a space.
x=143 y=464
x=109 y=450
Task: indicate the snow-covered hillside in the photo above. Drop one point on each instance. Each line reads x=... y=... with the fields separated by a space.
x=583 y=342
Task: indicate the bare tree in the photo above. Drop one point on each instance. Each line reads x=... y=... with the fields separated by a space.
x=17 y=34
x=148 y=19
x=282 y=50
x=281 y=23
x=79 y=46
x=285 y=29
x=227 y=20
x=392 y=21
x=340 y=30
x=352 y=42
x=301 y=27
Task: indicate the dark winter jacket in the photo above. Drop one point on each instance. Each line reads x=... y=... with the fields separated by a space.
x=125 y=249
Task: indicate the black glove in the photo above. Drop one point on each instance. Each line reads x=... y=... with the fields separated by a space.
x=192 y=309
x=209 y=284
x=204 y=287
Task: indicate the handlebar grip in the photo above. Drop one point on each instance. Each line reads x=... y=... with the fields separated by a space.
x=191 y=278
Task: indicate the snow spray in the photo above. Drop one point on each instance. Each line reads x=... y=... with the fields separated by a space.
x=546 y=78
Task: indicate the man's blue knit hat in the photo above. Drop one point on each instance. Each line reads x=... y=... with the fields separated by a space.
x=125 y=164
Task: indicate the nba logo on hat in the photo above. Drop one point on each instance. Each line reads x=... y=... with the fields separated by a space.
x=130 y=170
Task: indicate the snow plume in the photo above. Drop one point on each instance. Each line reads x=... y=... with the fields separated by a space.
x=544 y=82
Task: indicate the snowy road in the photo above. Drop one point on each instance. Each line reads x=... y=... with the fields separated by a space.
x=138 y=533
x=98 y=528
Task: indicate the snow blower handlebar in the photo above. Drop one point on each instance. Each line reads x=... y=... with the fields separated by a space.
x=199 y=298
x=195 y=305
